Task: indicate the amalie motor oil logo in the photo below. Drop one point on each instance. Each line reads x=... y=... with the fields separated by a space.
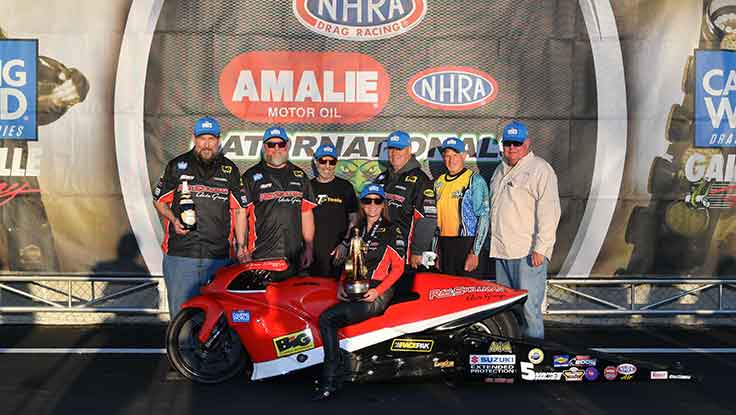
x=452 y=88
x=304 y=87
x=360 y=20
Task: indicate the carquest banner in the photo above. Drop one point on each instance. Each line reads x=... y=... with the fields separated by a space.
x=629 y=101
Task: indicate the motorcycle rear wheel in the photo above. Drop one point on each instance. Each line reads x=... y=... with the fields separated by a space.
x=503 y=324
x=224 y=359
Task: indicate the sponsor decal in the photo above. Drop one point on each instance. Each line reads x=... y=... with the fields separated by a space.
x=220 y=179
x=528 y=373
x=294 y=343
x=452 y=88
x=18 y=89
x=227 y=169
x=445 y=364
x=186 y=177
x=561 y=361
x=360 y=20
x=304 y=87
x=429 y=193
x=410 y=179
x=298 y=173
x=23 y=163
x=440 y=293
x=610 y=373
x=583 y=361
x=241 y=316
x=492 y=359
x=500 y=347
x=536 y=356
x=626 y=369
x=627 y=377
x=591 y=373
x=257 y=177
x=266 y=185
x=412 y=345
x=498 y=380
x=680 y=377
x=573 y=374
x=658 y=374
x=182 y=165
x=715 y=96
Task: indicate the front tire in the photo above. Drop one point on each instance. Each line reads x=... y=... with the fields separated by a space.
x=224 y=359
x=503 y=324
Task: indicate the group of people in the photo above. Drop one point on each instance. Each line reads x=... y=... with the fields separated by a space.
x=401 y=215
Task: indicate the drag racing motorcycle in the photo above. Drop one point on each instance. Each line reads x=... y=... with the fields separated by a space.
x=436 y=325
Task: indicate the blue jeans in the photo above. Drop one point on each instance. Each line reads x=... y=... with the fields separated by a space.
x=520 y=274
x=184 y=276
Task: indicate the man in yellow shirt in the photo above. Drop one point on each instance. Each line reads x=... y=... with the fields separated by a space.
x=462 y=211
x=525 y=212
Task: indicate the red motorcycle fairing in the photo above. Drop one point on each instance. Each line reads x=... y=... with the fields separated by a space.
x=279 y=327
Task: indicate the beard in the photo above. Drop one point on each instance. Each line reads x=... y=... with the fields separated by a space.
x=276 y=160
x=206 y=157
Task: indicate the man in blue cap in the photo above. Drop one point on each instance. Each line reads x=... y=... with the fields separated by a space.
x=280 y=203
x=410 y=196
x=525 y=212
x=207 y=179
x=335 y=213
x=462 y=211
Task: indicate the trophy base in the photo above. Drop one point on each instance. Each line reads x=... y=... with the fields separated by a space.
x=356 y=290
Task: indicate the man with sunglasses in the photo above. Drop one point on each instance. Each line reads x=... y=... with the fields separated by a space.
x=462 y=211
x=410 y=196
x=336 y=211
x=525 y=212
x=280 y=206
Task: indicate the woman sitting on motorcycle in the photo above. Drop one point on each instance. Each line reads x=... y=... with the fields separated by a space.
x=384 y=260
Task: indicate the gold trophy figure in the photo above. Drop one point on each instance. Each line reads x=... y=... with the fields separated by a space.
x=356 y=283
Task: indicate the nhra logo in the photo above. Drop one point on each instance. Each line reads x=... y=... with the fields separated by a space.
x=412 y=345
x=294 y=343
x=452 y=88
x=18 y=89
x=360 y=19
x=715 y=96
x=304 y=87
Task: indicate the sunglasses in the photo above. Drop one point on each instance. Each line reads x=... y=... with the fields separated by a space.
x=512 y=144
x=371 y=200
x=274 y=144
x=332 y=162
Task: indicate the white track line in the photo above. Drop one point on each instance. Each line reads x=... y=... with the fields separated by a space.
x=81 y=350
x=156 y=351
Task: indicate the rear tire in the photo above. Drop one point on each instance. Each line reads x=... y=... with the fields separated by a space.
x=223 y=360
x=503 y=324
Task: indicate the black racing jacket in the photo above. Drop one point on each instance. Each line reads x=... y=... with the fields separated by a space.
x=411 y=204
x=276 y=200
x=216 y=191
x=384 y=257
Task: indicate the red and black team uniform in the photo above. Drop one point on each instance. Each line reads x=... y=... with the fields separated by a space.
x=216 y=191
x=276 y=200
x=385 y=262
x=411 y=205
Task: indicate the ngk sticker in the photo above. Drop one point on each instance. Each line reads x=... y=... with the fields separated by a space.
x=452 y=88
x=304 y=87
x=360 y=19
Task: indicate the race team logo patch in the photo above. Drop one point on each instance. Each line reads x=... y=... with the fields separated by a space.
x=360 y=20
x=18 y=89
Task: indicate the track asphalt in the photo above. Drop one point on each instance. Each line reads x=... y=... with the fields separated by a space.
x=71 y=383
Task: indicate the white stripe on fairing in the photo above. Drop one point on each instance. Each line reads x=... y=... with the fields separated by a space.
x=81 y=350
x=287 y=364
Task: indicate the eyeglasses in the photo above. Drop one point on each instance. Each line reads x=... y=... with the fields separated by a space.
x=323 y=160
x=371 y=200
x=512 y=144
x=274 y=144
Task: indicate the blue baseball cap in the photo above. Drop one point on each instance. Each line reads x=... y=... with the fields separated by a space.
x=372 y=189
x=275 y=132
x=398 y=139
x=515 y=131
x=325 y=150
x=207 y=125
x=454 y=144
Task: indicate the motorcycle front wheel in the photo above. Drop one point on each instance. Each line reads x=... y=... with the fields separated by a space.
x=222 y=360
x=503 y=324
